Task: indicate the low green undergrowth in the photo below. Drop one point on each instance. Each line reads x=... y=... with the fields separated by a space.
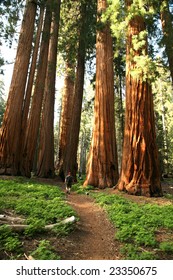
x=138 y=226
x=78 y=188
x=9 y=241
x=44 y=251
x=169 y=196
x=39 y=204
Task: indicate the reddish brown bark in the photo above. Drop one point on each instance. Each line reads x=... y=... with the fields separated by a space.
x=11 y=127
x=71 y=161
x=31 y=136
x=45 y=165
x=140 y=168
x=66 y=118
x=102 y=169
x=32 y=71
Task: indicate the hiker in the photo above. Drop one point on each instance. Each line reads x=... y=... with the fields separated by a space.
x=80 y=175
x=68 y=182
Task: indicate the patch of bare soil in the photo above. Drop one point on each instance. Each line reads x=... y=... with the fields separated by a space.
x=94 y=236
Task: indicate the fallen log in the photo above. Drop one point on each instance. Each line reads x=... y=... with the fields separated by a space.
x=22 y=227
x=71 y=219
x=7 y=218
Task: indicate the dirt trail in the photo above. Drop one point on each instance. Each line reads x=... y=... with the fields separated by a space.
x=94 y=236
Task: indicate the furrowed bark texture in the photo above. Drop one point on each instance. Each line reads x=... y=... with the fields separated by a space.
x=28 y=93
x=102 y=169
x=140 y=166
x=71 y=162
x=66 y=118
x=45 y=165
x=31 y=136
x=11 y=127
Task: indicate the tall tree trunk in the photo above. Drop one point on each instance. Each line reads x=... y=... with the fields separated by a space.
x=103 y=164
x=45 y=166
x=165 y=134
x=71 y=161
x=167 y=27
x=31 y=136
x=11 y=127
x=66 y=118
x=119 y=111
x=140 y=166
x=82 y=154
x=32 y=71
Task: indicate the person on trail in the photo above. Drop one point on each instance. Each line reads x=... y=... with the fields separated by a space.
x=68 y=182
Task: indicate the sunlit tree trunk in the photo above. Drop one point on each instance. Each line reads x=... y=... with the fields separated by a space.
x=11 y=127
x=27 y=99
x=45 y=165
x=167 y=27
x=140 y=166
x=102 y=168
x=31 y=136
x=66 y=118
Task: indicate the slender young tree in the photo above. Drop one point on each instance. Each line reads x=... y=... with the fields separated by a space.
x=167 y=27
x=31 y=136
x=45 y=164
x=11 y=127
x=140 y=167
x=102 y=168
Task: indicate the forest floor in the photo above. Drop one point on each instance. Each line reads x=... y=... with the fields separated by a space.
x=94 y=235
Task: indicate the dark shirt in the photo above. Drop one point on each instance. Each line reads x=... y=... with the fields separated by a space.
x=69 y=180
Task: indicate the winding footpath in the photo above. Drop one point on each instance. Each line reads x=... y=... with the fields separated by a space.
x=94 y=236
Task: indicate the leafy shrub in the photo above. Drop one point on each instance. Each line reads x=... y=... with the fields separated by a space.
x=9 y=241
x=166 y=246
x=63 y=229
x=132 y=252
x=44 y=252
x=34 y=226
x=80 y=189
x=12 y=244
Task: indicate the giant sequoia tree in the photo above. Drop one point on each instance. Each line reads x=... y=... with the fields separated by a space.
x=30 y=82
x=140 y=168
x=70 y=123
x=71 y=163
x=45 y=165
x=11 y=127
x=32 y=131
x=102 y=169
x=66 y=118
